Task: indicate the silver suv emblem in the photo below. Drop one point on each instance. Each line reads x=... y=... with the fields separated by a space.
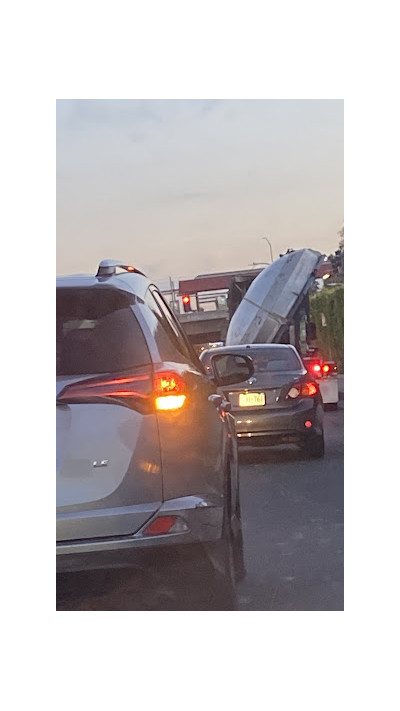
x=100 y=463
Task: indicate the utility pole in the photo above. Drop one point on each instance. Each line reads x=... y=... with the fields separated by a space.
x=175 y=307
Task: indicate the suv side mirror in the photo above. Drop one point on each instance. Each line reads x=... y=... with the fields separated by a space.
x=229 y=368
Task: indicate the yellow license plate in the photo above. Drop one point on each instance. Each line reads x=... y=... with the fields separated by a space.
x=251 y=399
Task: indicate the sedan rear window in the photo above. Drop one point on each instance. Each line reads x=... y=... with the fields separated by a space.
x=265 y=360
x=97 y=332
x=275 y=360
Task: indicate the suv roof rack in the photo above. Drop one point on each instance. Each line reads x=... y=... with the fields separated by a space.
x=108 y=267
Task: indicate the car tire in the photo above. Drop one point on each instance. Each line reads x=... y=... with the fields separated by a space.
x=314 y=446
x=209 y=571
x=196 y=576
x=222 y=580
x=238 y=552
x=226 y=556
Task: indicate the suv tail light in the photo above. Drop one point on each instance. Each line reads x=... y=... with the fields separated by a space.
x=127 y=386
x=169 y=390
x=306 y=389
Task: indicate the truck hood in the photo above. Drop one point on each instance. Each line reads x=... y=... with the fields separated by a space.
x=272 y=298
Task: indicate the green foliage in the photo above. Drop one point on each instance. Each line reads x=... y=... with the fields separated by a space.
x=330 y=338
x=337 y=261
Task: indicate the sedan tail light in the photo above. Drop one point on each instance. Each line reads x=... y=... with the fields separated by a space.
x=305 y=389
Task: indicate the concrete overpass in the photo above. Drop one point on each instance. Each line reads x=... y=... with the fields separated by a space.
x=205 y=326
x=210 y=324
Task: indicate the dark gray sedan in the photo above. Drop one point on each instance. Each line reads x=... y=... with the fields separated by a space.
x=280 y=404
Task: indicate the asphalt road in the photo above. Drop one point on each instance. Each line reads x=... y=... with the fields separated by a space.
x=292 y=511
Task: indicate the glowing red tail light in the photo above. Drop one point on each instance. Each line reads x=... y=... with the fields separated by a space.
x=309 y=389
x=169 y=390
x=130 y=390
x=313 y=366
x=132 y=386
x=166 y=392
x=329 y=368
x=302 y=390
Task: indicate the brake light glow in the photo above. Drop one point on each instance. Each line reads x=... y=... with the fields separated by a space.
x=329 y=367
x=308 y=424
x=316 y=368
x=135 y=386
x=302 y=389
x=309 y=389
x=169 y=390
x=170 y=402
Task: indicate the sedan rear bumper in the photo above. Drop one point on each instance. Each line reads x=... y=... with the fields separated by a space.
x=202 y=516
x=275 y=426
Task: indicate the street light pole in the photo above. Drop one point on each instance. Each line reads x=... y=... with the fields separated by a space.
x=175 y=307
x=270 y=248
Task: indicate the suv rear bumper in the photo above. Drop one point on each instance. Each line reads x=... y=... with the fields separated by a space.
x=202 y=515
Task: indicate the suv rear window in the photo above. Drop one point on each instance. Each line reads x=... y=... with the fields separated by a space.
x=97 y=332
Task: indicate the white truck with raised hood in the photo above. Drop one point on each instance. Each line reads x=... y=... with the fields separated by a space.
x=275 y=309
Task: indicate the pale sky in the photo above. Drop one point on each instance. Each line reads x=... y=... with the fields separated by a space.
x=184 y=187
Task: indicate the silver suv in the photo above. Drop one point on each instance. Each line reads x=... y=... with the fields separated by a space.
x=146 y=447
